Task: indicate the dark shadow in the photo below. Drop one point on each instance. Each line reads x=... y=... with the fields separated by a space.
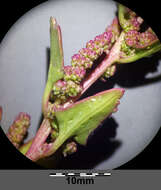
x=97 y=87
x=132 y=75
x=47 y=61
x=129 y=75
x=100 y=146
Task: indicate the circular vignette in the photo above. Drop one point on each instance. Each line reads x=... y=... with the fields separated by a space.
x=26 y=48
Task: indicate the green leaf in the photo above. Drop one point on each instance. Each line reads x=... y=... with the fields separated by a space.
x=122 y=11
x=56 y=52
x=56 y=66
x=84 y=116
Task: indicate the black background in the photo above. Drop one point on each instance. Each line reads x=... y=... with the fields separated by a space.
x=10 y=158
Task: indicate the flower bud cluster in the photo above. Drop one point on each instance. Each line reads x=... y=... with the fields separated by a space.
x=69 y=148
x=61 y=93
x=75 y=74
x=140 y=40
x=70 y=86
x=18 y=129
x=94 y=48
x=133 y=22
x=109 y=72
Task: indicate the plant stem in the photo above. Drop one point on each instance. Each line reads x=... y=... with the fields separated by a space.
x=107 y=62
x=35 y=151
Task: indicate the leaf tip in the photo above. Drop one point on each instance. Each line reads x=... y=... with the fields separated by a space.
x=53 y=20
x=121 y=90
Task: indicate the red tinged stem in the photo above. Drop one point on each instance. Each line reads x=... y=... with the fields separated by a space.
x=35 y=151
x=107 y=62
x=111 y=58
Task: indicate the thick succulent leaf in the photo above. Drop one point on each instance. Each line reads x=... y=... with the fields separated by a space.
x=83 y=117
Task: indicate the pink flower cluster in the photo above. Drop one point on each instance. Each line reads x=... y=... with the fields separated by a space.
x=70 y=86
x=94 y=48
x=139 y=40
x=74 y=73
x=134 y=21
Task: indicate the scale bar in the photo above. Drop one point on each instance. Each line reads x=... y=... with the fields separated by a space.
x=79 y=174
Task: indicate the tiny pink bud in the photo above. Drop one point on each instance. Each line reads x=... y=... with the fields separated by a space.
x=131 y=37
x=107 y=36
x=60 y=83
x=90 y=44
